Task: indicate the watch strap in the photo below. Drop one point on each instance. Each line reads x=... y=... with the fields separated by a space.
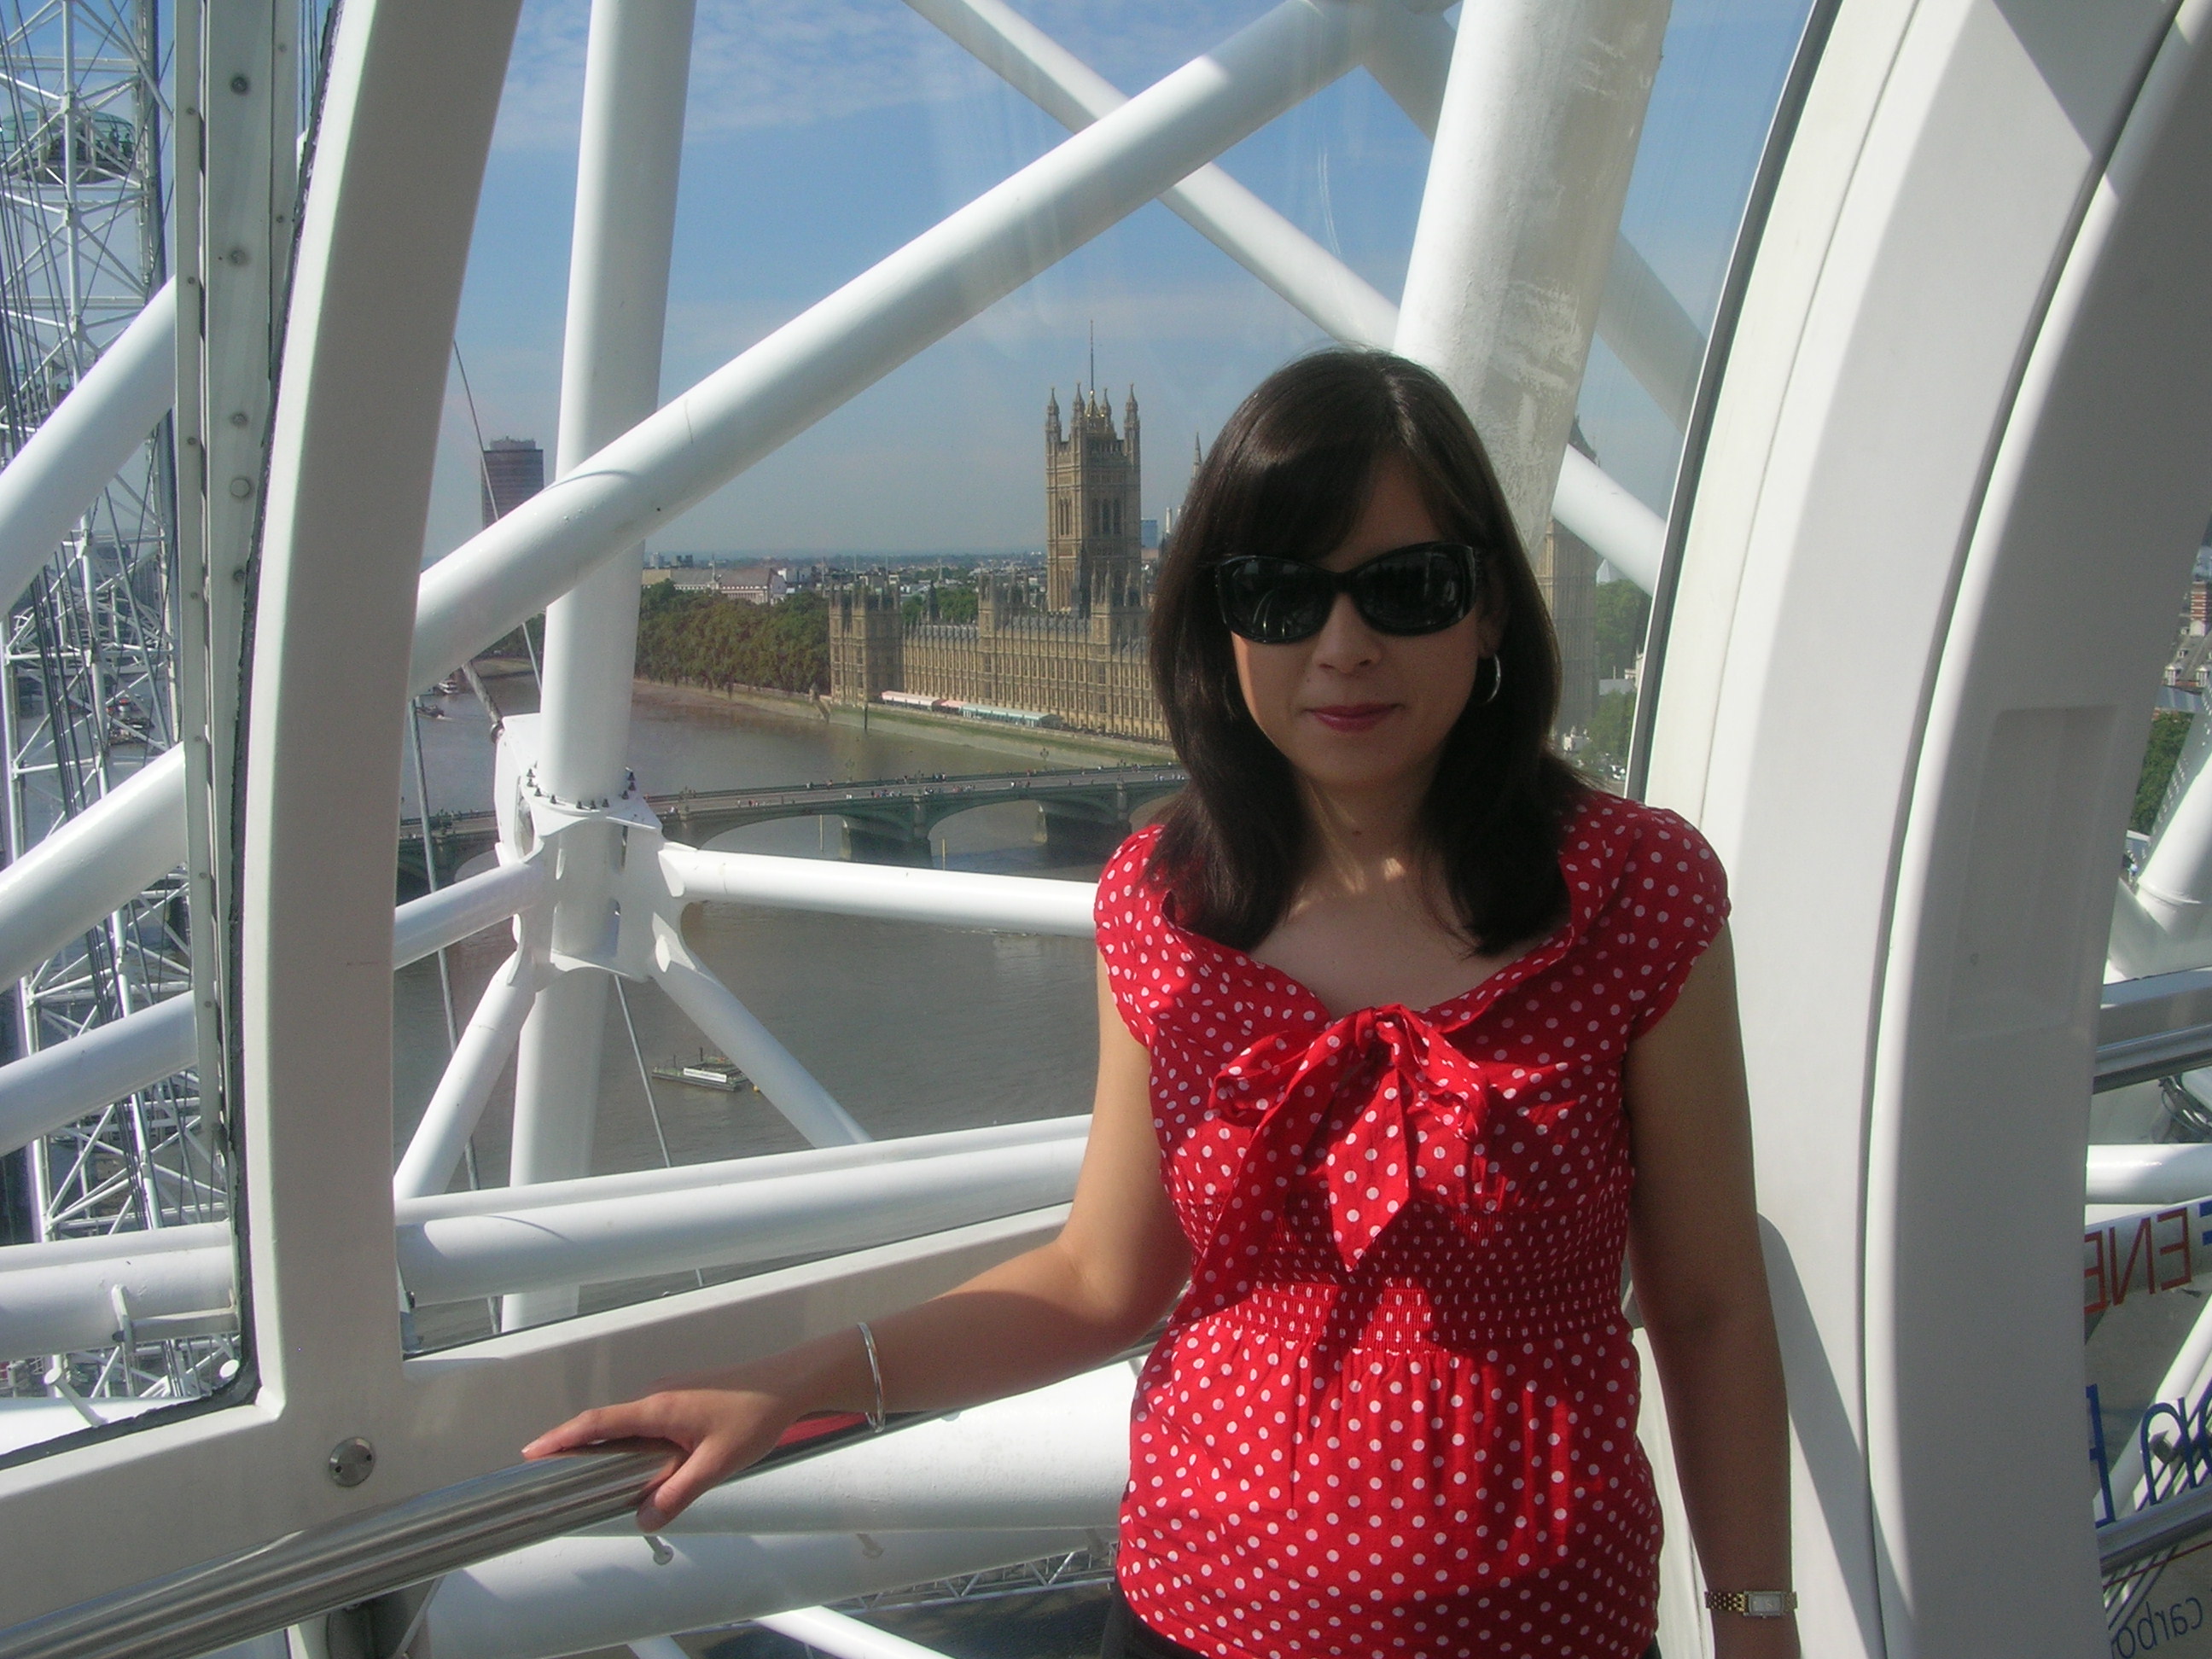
x=1753 y=1604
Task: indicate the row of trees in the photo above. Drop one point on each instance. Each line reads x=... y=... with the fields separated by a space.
x=692 y=638
x=945 y=602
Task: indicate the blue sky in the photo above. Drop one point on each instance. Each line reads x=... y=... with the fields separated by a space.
x=823 y=134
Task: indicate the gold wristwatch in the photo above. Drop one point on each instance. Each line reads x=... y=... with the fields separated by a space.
x=1753 y=1604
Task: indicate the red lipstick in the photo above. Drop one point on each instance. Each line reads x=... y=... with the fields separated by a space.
x=1351 y=716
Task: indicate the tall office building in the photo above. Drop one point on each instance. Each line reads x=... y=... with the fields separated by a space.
x=514 y=471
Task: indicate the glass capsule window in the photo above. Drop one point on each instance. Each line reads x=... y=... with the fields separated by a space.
x=913 y=633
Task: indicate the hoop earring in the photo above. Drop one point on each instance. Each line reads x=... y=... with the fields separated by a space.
x=1496 y=679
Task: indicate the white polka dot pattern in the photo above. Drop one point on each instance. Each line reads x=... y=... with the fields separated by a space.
x=1395 y=1413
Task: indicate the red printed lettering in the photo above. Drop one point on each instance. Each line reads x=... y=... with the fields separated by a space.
x=2140 y=1248
x=2179 y=1247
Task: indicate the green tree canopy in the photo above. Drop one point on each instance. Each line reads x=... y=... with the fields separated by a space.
x=1624 y=611
x=2169 y=730
x=693 y=638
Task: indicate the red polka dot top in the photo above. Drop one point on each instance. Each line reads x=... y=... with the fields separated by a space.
x=1395 y=1412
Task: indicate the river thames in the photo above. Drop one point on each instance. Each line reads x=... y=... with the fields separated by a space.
x=913 y=1029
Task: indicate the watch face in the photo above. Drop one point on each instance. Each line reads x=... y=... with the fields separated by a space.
x=1765 y=1604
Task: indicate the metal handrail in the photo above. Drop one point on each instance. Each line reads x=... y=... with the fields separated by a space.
x=342 y=1563
x=2153 y=1531
x=269 y=1587
x=2163 y=1054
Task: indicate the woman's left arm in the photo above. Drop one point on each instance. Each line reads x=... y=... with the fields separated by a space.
x=1701 y=1286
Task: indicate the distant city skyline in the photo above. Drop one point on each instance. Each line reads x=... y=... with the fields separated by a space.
x=797 y=179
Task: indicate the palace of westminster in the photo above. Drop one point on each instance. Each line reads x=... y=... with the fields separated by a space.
x=1080 y=656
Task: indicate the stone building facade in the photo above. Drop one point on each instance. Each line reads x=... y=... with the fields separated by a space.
x=1080 y=656
x=1087 y=667
x=1092 y=527
x=1566 y=571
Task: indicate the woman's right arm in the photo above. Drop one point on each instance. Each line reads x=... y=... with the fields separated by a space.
x=1115 y=1266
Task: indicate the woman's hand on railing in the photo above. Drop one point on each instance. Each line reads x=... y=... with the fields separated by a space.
x=716 y=1423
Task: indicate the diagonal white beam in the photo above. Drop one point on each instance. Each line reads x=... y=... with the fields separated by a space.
x=55 y=1085
x=848 y=342
x=83 y=443
x=1639 y=316
x=478 y=1057
x=1231 y=216
x=468 y=906
x=1505 y=280
x=1628 y=535
x=1410 y=57
x=730 y=1026
x=93 y=865
x=654 y=1184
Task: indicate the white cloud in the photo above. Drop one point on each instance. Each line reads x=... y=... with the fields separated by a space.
x=786 y=62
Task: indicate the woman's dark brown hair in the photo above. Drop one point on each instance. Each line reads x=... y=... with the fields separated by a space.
x=1288 y=476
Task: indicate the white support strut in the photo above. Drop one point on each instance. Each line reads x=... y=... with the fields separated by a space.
x=1534 y=145
x=460 y=1257
x=580 y=1592
x=52 y=1087
x=945 y=898
x=92 y=864
x=1055 y=1456
x=58 y=1297
x=468 y=906
x=1639 y=316
x=1628 y=535
x=730 y=1026
x=478 y=1057
x=730 y=1172
x=636 y=69
x=83 y=443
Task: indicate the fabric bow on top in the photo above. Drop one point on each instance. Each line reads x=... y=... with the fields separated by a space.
x=1381 y=1105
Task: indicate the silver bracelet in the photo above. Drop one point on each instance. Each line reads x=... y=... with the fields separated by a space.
x=875 y=1372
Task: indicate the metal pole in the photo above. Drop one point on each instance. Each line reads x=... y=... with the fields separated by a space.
x=636 y=67
x=1534 y=144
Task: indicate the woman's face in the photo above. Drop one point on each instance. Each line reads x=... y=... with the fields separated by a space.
x=1353 y=710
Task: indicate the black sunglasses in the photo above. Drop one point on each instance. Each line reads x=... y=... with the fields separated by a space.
x=1421 y=589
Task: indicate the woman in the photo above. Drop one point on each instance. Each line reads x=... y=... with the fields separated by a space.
x=1403 y=1034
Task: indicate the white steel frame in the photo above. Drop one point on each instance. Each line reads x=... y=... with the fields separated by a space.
x=1957 y=363
x=1954 y=478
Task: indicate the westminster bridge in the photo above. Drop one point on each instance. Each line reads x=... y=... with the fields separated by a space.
x=886 y=820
